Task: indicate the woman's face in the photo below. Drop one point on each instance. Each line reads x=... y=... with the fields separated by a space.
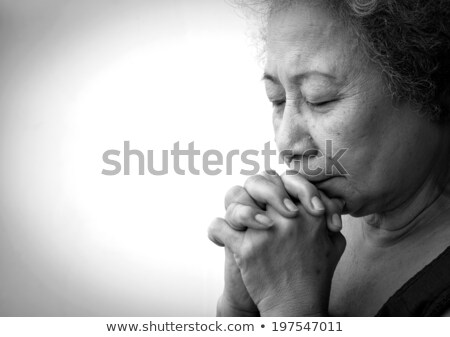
x=322 y=89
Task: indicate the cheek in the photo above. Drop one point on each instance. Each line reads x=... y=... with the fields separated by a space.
x=275 y=121
x=368 y=117
x=355 y=129
x=330 y=130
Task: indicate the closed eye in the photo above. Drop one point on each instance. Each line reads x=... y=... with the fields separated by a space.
x=320 y=104
x=278 y=103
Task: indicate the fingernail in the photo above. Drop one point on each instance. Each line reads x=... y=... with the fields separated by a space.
x=264 y=220
x=336 y=219
x=290 y=205
x=271 y=172
x=317 y=204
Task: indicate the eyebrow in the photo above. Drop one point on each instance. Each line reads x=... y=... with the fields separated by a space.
x=268 y=77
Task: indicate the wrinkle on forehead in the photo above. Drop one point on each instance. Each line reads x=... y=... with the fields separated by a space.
x=307 y=38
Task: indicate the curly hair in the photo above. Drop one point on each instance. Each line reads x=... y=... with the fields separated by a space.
x=408 y=39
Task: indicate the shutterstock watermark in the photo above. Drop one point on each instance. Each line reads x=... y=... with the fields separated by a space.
x=212 y=162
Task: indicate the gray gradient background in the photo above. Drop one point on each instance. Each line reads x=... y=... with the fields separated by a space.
x=79 y=77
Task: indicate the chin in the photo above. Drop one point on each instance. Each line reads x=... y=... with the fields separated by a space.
x=336 y=187
x=332 y=187
x=358 y=208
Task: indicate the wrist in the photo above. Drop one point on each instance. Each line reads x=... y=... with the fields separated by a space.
x=226 y=309
x=292 y=312
x=293 y=307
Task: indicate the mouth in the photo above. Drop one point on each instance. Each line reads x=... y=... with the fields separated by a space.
x=313 y=173
x=321 y=181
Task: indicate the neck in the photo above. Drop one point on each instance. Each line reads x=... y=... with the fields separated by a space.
x=415 y=215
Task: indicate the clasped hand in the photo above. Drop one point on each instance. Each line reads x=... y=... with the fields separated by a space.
x=282 y=244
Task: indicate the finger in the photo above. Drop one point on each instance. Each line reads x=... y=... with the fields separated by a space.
x=235 y=293
x=222 y=234
x=265 y=191
x=334 y=209
x=240 y=217
x=299 y=187
x=274 y=177
x=238 y=194
x=336 y=218
x=242 y=211
x=305 y=221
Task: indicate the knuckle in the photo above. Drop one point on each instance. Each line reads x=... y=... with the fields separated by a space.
x=306 y=188
x=232 y=212
x=276 y=197
x=244 y=213
x=234 y=191
x=241 y=214
x=213 y=228
x=214 y=225
x=307 y=191
x=236 y=216
x=270 y=173
x=266 y=188
x=233 y=194
x=211 y=236
x=298 y=181
x=274 y=178
x=247 y=252
x=253 y=180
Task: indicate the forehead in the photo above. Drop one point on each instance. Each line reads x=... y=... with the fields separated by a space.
x=305 y=38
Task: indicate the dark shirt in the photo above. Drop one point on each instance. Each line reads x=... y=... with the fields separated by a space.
x=426 y=294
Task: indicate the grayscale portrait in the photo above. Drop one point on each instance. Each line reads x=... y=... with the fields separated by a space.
x=359 y=223
x=202 y=158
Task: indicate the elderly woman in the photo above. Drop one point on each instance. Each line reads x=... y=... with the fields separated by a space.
x=373 y=237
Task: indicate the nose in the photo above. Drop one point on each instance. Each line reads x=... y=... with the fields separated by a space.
x=292 y=134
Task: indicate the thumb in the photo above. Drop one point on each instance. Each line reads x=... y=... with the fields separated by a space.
x=333 y=209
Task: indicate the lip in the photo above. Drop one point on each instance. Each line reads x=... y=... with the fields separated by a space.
x=321 y=177
x=323 y=181
x=316 y=179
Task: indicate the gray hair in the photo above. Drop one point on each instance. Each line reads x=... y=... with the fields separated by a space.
x=408 y=39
